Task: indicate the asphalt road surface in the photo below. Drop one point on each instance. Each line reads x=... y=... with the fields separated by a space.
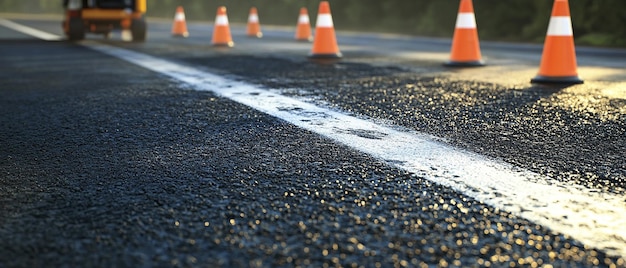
x=110 y=163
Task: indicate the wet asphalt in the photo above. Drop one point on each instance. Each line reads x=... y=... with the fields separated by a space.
x=104 y=164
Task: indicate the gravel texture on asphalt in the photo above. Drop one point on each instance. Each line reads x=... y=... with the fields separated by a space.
x=106 y=164
x=575 y=136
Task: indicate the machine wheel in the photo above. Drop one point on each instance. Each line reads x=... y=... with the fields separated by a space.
x=76 y=29
x=139 y=29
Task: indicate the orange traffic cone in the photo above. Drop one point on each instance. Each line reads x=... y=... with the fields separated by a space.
x=325 y=42
x=254 y=27
x=221 y=30
x=558 y=62
x=465 y=50
x=303 y=29
x=179 y=28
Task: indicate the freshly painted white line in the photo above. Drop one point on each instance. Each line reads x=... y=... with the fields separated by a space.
x=597 y=219
x=29 y=31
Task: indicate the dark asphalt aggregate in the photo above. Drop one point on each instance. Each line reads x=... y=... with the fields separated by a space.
x=104 y=164
x=566 y=136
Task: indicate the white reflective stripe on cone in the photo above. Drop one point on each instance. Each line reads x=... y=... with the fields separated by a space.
x=179 y=16
x=324 y=20
x=560 y=26
x=253 y=18
x=221 y=20
x=466 y=21
x=303 y=19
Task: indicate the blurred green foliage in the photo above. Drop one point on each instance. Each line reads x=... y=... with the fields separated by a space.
x=596 y=22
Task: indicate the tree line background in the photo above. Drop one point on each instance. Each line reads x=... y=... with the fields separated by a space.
x=595 y=22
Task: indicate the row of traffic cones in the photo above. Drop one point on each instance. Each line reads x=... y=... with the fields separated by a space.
x=324 y=45
x=222 y=35
x=558 y=63
x=303 y=27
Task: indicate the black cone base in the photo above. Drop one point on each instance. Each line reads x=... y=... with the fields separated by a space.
x=564 y=80
x=477 y=63
x=229 y=44
x=326 y=56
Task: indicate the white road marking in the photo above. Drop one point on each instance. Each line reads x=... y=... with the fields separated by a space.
x=597 y=219
x=29 y=31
